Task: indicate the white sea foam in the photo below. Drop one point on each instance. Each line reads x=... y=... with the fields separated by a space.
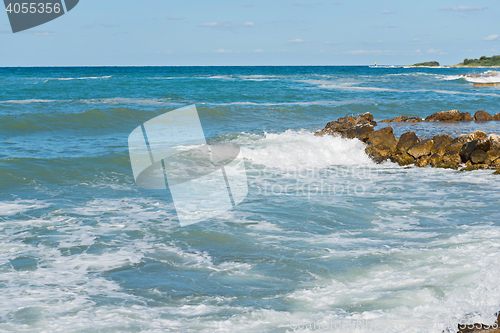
x=81 y=78
x=486 y=77
x=20 y=206
x=29 y=101
x=302 y=149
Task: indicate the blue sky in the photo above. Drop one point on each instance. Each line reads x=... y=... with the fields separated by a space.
x=256 y=32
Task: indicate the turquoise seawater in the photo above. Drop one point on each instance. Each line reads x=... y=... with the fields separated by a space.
x=326 y=240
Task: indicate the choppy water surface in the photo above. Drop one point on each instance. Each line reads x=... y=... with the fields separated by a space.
x=325 y=241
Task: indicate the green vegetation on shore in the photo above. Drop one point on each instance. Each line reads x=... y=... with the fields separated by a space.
x=427 y=64
x=483 y=61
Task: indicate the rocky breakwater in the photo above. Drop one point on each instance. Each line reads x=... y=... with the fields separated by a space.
x=466 y=152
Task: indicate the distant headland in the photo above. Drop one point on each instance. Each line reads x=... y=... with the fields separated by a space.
x=484 y=61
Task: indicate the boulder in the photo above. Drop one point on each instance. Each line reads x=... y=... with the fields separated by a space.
x=452 y=157
x=494 y=153
x=383 y=137
x=423 y=148
x=398 y=119
x=403 y=159
x=475 y=167
x=360 y=132
x=465 y=116
x=440 y=143
x=494 y=140
x=482 y=116
x=469 y=147
x=479 y=157
x=381 y=144
x=476 y=136
x=364 y=118
x=497 y=172
x=406 y=140
x=496 y=116
x=457 y=143
x=436 y=159
x=423 y=161
x=448 y=165
x=451 y=115
x=412 y=120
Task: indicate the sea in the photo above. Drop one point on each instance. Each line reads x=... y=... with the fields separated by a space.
x=325 y=241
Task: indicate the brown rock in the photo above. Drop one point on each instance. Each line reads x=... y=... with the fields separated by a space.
x=469 y=147
x=448 y=165
x=406 y=140
x=403 y=159
x=398 y=119
x=384 y=121
x=436 y=159
x=457 y=143
x=381 y=144
x=452 y=157
x=479 y=157
x=451 y=115
x=496 y=163
x=482 y=116
x=465 y=116
x=423 y=161
x=412 y=120
x=477 y=135
x=440 y=143
x=364 y=118
x=497 y=172
x=493 y=154
x=423 y=148
x=475 y=167
x=383 y=137
x=360 y=132
x=378 y=154
x=496 y=116
x=494 y=140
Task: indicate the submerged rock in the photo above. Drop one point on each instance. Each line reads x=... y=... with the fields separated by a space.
x=451 y=115
x=465 y=116
x=482 y=116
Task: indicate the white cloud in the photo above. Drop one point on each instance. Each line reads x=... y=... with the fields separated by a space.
x=210 y=24
x=415 y=40
x=418 y=51
x=375 y=52
x=491 y=38
x=337 y=3
x=298 y=40
x=463 y=8
x=222 y=51
x=218 y=25
x=433 y=51
x=45 y=33
x=385 y=11
x=248 y=24
x=259 y=51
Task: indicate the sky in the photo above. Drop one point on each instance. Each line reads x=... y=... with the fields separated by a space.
x=257 y=32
